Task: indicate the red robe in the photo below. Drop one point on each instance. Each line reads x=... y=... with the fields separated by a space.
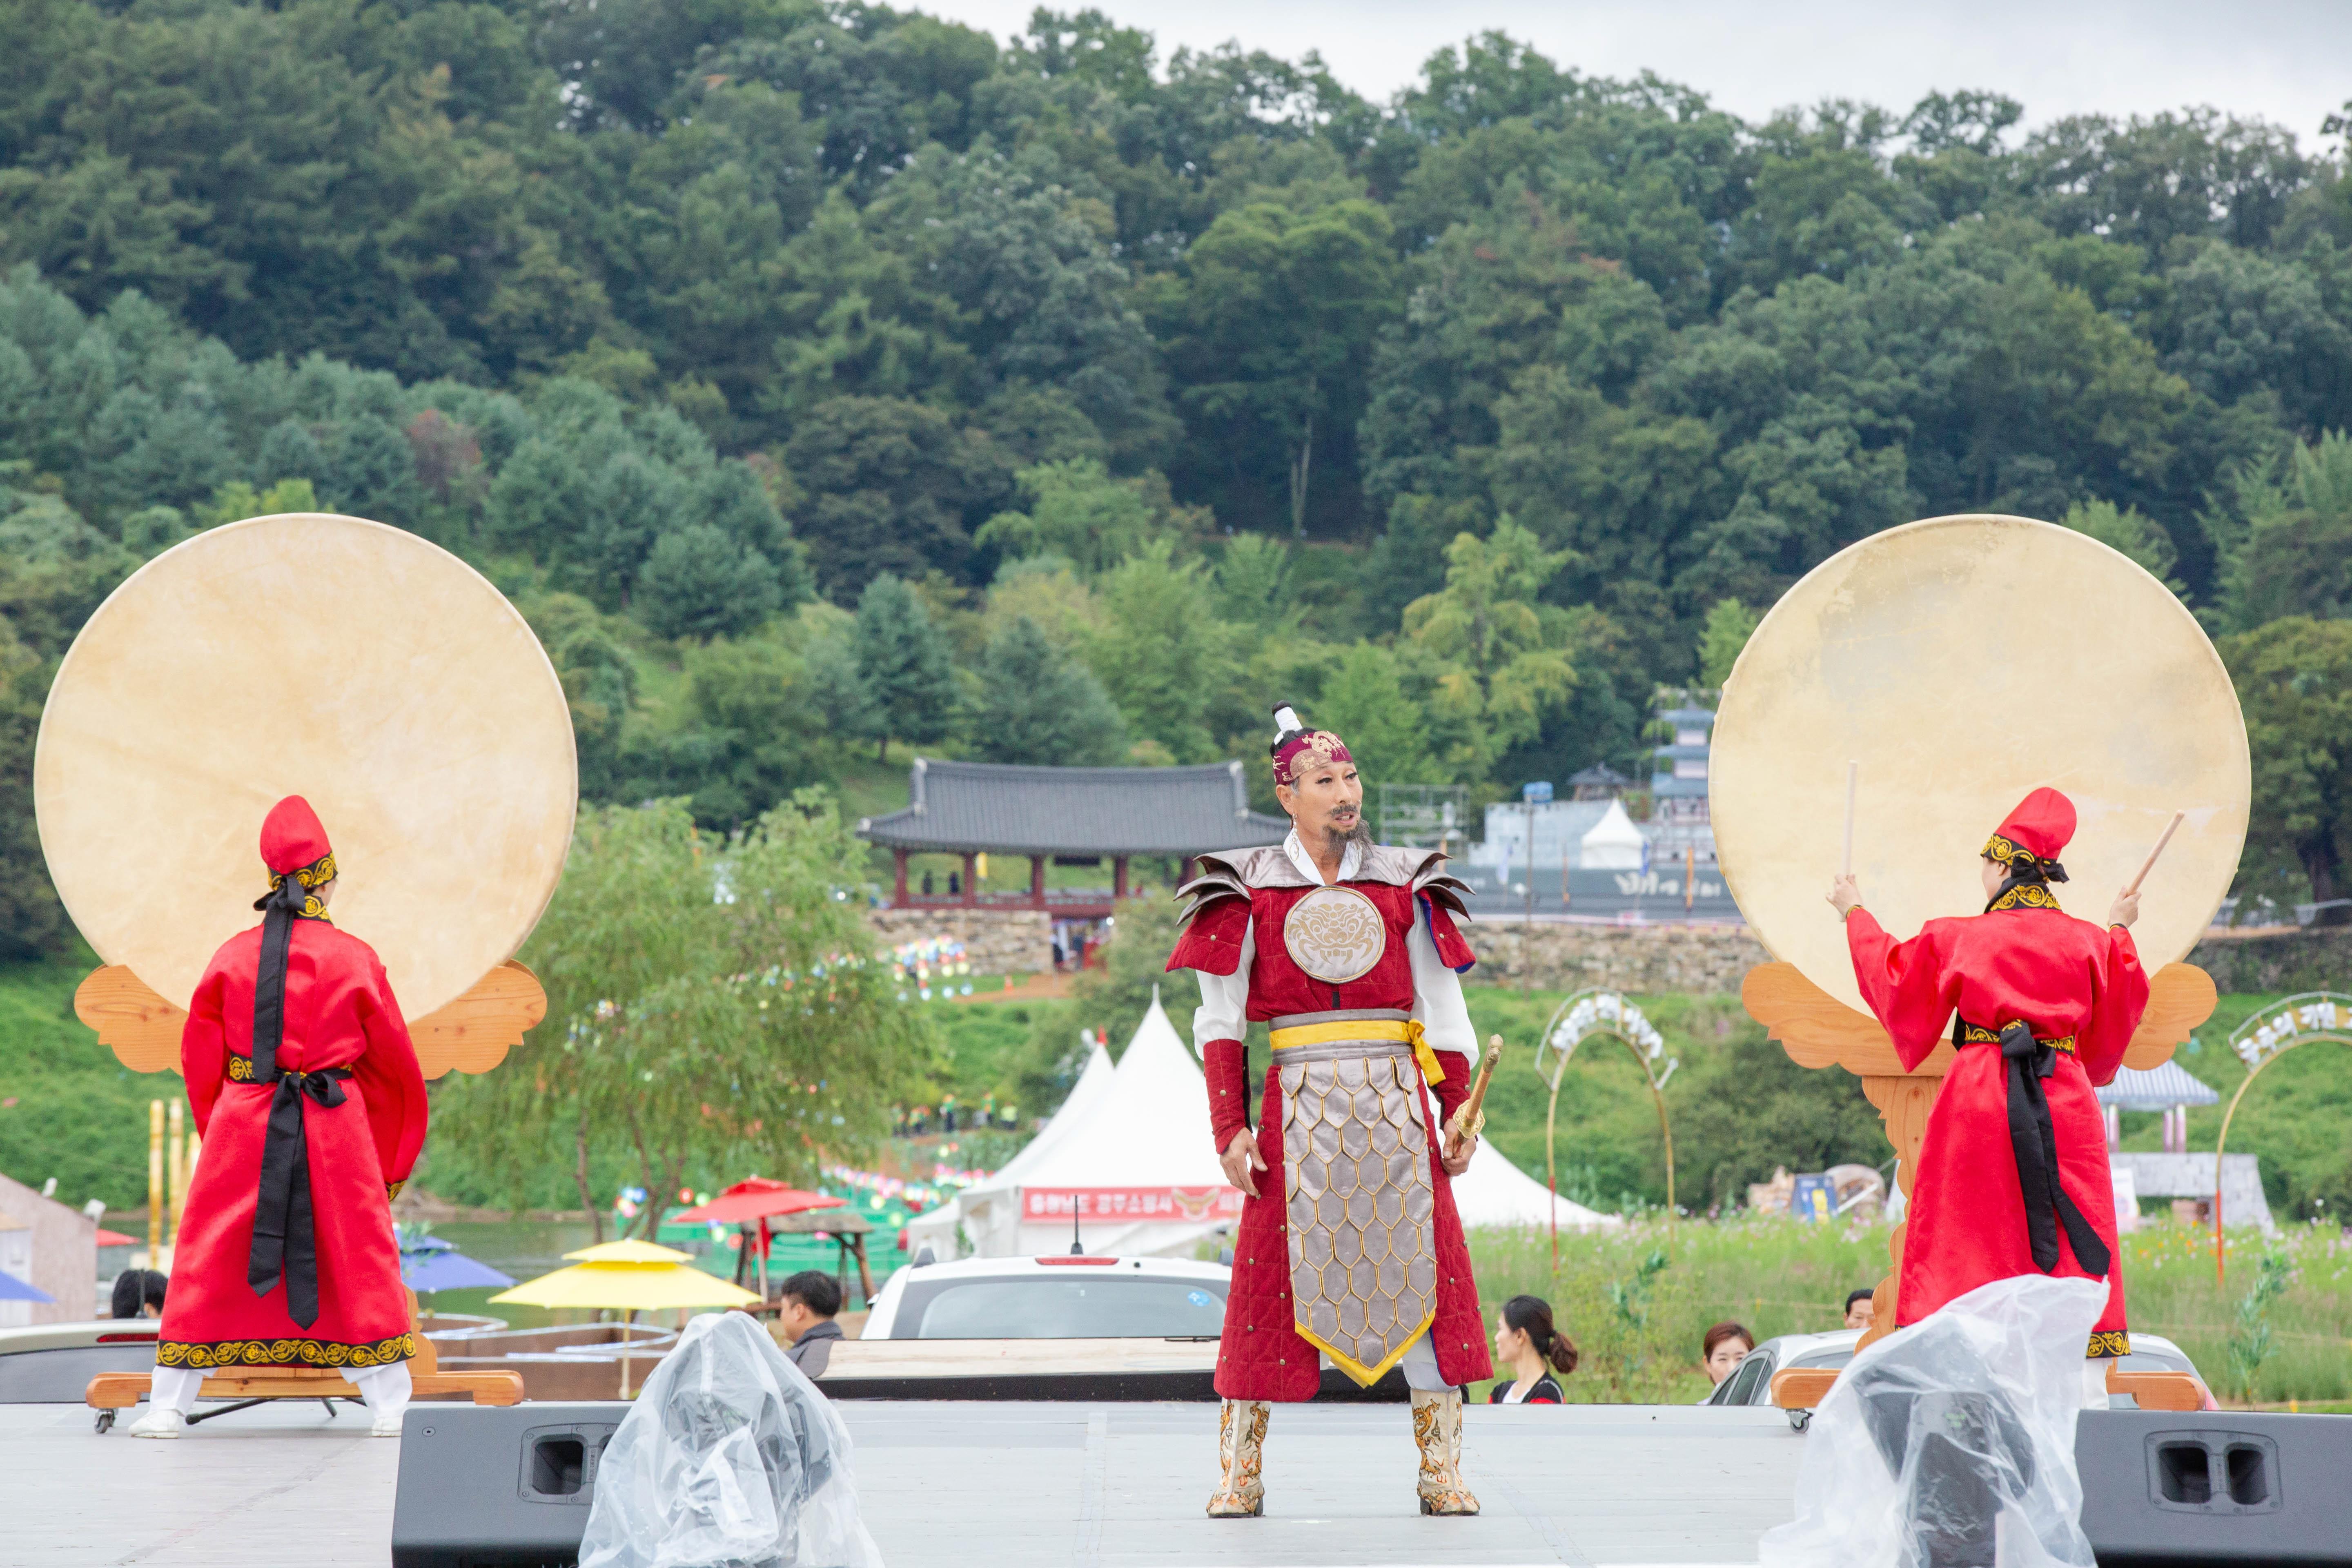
x=339 y=1013
x=2061 y=976
x=1262 y=1355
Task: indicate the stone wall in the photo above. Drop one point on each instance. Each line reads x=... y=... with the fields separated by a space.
x=2277 y=961
x=1645 y=959
x=997 y=941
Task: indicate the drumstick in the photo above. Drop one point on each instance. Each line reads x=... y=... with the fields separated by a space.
x=1853 y=772
x=2149 y=864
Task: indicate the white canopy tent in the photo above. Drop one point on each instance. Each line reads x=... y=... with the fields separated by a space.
x=1493 y=1191
x=1129 y=1151
x=1134 y=1161
x=937 y=1229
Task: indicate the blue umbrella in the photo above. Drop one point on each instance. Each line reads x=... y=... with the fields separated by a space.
x=15 y=1289
x=429 y=1263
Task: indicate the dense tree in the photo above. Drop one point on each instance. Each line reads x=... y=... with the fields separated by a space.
x=1160 y=652
x=1730 y=625
x=1269 y=323
x=698 y=581
x=904 y=664
x=671 y=318
x=1039 y=704
x=2295 y=681
x=674 y=962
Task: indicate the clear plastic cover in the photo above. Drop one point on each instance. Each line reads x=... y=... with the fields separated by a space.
x=730 y=1459
x=1950 y=1444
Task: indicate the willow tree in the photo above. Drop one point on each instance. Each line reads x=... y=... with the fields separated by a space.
x=713 y=1004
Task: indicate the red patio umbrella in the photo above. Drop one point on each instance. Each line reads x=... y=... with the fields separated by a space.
x=755 y=1202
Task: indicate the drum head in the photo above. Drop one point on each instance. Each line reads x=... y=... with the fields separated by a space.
x=357 y=665
x=1963 y=661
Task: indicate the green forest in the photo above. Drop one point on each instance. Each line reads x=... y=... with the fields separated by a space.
x=825 y=378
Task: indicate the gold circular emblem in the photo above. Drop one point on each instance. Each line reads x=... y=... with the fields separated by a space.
x=1335 y=934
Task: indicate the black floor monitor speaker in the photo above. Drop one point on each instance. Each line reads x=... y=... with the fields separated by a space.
x=2216 y=1487
x=485 y=1487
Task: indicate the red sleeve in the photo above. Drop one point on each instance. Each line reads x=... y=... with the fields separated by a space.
x=2120 y=1004
x=390 y=1079
x=1213 y=938
x=1907 y=984
x=1227 y=1071
x=203 y=1049
x=1452 y=951
x=1454 y=1087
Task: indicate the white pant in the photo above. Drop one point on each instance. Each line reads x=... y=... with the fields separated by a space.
x=1419 y=1366
x=386 y=1388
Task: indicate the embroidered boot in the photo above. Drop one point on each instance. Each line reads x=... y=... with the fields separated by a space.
x=1437 y=1430
x=1241 y=1444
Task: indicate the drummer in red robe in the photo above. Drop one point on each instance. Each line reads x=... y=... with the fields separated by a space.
x=2012 y=1175
x=1350 y=1252
x=308 y=1097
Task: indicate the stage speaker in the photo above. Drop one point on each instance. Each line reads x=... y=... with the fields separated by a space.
x=486 y=1487
x=2163 y=1487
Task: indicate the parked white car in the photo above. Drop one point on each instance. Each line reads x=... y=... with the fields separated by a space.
x=52 y=1363
x=1052 y=1298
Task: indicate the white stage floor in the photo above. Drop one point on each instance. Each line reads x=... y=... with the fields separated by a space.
x=958 y=1484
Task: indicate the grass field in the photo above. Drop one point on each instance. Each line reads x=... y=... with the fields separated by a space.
x=1638 y=1328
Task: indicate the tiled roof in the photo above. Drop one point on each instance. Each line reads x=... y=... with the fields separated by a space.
x=972 y=806
x=2159 y=1087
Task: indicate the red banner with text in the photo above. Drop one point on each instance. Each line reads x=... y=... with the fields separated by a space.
x=1178 y=1204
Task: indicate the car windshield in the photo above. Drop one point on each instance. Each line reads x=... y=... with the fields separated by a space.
x=1098 y=1308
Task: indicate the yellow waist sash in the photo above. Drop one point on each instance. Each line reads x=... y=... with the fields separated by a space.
x=1406 y=1030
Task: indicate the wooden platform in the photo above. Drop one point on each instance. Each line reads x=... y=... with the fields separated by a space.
x=947 y=1485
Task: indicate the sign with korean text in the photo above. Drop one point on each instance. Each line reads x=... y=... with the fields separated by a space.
x=1176 y=1204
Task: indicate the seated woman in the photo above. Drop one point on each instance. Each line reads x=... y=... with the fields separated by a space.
x=1724 y=1347
x=1526 y=1341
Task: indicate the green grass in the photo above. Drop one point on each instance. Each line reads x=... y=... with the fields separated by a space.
x=67 y=1108
x=1778 y=1277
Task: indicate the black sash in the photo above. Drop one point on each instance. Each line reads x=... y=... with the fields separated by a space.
x=2032 y=1140
x=285 y=1235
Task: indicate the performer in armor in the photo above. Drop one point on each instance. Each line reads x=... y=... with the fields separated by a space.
x=307 y=1093
x=1349 y=1251
x=2013 y=1177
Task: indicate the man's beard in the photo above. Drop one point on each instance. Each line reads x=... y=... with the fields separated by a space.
x=1359 y=833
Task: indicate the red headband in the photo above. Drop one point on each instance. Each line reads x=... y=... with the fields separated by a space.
x=1317 y=747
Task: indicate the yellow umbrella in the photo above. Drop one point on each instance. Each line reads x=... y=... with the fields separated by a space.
x=631 y=1275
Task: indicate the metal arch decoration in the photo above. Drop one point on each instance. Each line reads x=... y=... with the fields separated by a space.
x=2262 y=1040
x=1600 y=1014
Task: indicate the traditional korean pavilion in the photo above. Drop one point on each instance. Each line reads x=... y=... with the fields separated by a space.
x=1074 y=815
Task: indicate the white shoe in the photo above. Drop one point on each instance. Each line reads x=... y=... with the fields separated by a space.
x=162 y=1421
x=386 y=1425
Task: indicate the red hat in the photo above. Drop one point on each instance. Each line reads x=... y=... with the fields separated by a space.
x=2034 y=834
x=1296 y=747
x=293 y=839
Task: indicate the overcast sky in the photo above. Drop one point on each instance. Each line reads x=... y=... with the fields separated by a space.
x=2286 y=61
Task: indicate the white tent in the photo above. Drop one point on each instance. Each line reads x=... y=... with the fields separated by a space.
x=1134 y=1161
x=1493 y=1191
x=937 y=1229
x=1612 y=844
